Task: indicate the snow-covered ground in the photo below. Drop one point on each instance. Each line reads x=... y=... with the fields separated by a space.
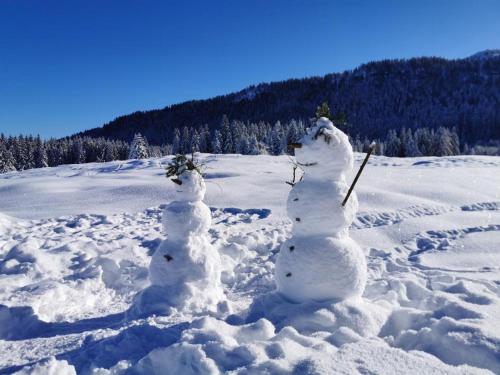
x=76 y=241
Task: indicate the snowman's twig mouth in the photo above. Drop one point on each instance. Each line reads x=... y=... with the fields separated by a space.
x=307 y=164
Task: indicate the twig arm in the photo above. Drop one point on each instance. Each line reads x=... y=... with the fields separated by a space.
x=370 y=150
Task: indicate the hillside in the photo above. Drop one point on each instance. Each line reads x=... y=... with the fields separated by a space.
x=378 y=96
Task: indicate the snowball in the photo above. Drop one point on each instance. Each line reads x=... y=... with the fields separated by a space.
x=325 y=149
x=193 y=186
x=183 y=219
x=315 y=207
x=320 y=268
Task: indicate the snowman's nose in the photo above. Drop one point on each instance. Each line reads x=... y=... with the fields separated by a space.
x=176 y=181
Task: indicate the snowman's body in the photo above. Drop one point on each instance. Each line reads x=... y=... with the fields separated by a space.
x=320 y=262
x=185 y=270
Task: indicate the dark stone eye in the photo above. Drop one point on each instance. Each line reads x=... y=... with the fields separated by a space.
x=168 y=258
x=288 y=274
x=296 y=199
x=297 y=219
x=292 y=248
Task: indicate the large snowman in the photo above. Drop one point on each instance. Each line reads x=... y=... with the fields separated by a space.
x=185 y=269
x=320 y=261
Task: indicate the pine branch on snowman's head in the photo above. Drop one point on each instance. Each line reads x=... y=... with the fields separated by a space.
x=180 y=164
x=187 y=174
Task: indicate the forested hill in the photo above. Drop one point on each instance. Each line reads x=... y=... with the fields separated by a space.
x=378 y=96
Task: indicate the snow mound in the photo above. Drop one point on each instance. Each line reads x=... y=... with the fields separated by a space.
x=7 y=224
x=211 y=346
x=50 y=366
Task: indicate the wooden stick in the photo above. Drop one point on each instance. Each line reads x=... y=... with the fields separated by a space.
x=295 y=145
x=372 y=147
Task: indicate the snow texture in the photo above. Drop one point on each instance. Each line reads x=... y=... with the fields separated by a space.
x=78 y=240
x=320 y=262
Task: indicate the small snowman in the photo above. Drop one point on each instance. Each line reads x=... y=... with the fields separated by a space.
x=185 y=269
x=320 y=261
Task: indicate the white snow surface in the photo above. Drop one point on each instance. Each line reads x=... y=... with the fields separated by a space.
x=76 y=242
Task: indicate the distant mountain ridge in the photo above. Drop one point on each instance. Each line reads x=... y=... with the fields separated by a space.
x=486 y=54
x=376 y=97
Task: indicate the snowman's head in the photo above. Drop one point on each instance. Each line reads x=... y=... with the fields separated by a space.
x=325 y=149
x=191 y=187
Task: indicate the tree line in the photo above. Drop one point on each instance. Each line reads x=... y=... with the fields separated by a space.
x=232 y=136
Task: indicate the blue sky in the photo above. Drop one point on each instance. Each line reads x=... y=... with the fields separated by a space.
x=71 y=65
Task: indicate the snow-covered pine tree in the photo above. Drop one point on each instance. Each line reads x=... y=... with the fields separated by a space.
x=40 y=154
x=109 y=151
x=176 y=142
x=139 y=148
x=410 y=146
x=205 y=145
x=217 y=143
x=278 y=139
x=78 y=151
x=227 y=136
x=393 y=144
x=253 y=146
x=6 y=159
x=423 y=140
x=243 y=146
x=195 y=141
x=443 y=142
x=186 y=140
x=455 y=141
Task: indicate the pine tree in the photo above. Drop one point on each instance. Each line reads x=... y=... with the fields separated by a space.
x=195 y=141
x=411 y=148
x=176 y=143
x=109 y=152
x=278 y=140
x=253 y=146
x=40 y=154
x=393 y=145
x=78 y=151
x=217 y=143
x=139 y=148
x=205 y=145
x=227 y=137
x=244 y=146
x=455 y=141
x=423 y=140
x=445 y=145
x=185 y=141
x=6 y=159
